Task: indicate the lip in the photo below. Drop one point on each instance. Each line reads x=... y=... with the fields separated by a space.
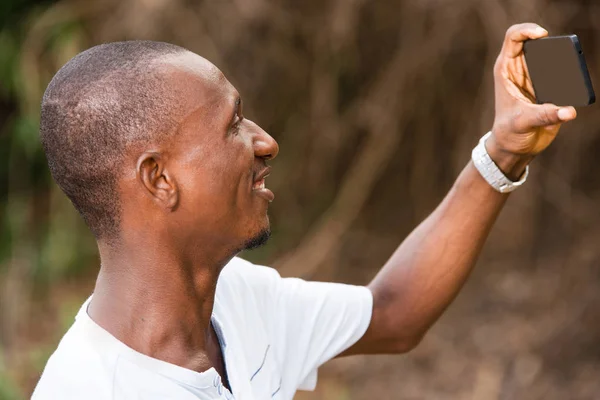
x=262 y=174
x=263 y=191
x=265 y=194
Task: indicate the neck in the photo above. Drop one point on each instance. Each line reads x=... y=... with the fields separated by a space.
x=158 y=302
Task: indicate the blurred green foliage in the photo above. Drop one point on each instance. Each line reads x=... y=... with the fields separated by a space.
x=36 y=216
x=41 y=240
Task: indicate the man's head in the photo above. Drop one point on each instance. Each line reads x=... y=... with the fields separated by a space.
x=149 y=138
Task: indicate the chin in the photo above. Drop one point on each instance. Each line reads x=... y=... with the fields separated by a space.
x=258 y=240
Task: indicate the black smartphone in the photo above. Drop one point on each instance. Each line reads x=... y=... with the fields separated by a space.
x=558 y=71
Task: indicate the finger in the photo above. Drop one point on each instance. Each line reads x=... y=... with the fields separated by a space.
x=517 y=34
x=567 y=114
x=535 y=116
x=527 y=84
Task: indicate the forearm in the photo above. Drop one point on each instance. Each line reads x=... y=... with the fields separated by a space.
x=428 y=269
x=431 y=265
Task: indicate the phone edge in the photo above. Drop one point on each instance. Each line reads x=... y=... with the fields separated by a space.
x=584 y=70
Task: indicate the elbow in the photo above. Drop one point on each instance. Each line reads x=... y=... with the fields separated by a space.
x=397 y=342
x=402 y=335
x=396 y=327
x=402 y=344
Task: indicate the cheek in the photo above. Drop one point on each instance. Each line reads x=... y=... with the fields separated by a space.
x=216 y=179
x=217 y=188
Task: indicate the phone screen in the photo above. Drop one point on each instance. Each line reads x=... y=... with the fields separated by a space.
x=558 y=71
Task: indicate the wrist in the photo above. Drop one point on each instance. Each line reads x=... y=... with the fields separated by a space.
x=512 y=165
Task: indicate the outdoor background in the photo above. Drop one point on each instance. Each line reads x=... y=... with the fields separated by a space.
x=376 y=106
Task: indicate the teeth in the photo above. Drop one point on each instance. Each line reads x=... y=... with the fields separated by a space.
x=259 y=185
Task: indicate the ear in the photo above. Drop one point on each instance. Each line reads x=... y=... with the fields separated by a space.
x=154 y=177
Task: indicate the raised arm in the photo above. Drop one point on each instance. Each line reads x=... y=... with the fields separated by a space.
x=428 y=269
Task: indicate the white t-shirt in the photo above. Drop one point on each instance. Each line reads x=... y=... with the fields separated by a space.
x=274 y=333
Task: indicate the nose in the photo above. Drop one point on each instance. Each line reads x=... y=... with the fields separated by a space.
x=265 y=146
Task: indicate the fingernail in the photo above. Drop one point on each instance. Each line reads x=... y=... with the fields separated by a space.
x=540 y=31
x=564 y=113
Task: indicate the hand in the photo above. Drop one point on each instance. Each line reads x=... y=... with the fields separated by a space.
x=522 y=129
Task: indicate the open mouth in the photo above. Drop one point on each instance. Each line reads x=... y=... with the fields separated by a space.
x=259 y=178
x=260 y=184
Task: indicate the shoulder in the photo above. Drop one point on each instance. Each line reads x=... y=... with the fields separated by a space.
x=75 y=370
x=239 y=270
x=244 y=278
x=245 y=286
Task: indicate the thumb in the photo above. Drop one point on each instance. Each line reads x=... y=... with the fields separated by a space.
x=534 y=116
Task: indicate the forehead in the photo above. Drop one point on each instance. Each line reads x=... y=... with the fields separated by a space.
x=198 y=85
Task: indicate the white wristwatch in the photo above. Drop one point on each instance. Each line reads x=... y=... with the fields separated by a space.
x=490 y=171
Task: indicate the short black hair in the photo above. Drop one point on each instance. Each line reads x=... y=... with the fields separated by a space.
x=100 y=103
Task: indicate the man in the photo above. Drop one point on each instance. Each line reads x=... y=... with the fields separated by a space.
x=149 y=142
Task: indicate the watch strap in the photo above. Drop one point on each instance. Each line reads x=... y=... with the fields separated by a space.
x=490 y=171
